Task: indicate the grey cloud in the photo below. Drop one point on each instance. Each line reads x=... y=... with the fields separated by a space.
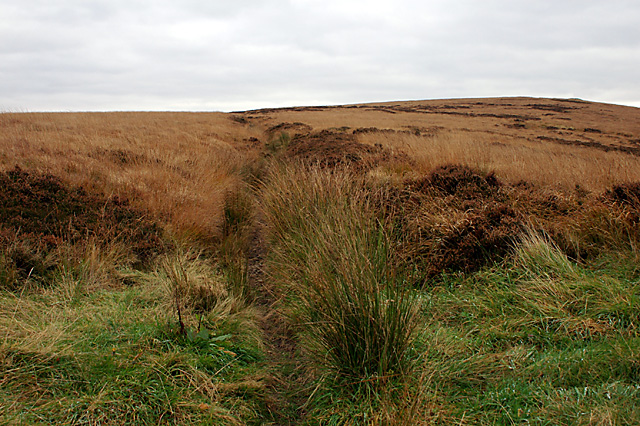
x=233 y=55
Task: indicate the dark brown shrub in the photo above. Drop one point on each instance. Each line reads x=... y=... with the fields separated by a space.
x=628 y=193
x=332 y=149
x=458 y=180
x=486 y=238
x=42 y=209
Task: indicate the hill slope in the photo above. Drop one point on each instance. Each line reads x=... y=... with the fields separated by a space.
x=598 y=143
x=470 y=261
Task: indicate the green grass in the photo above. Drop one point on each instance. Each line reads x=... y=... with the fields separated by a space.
x=114 y=355
x=537 y=340
x=354 y=311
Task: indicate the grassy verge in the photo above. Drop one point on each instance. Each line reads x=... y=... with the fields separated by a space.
x=413 y=298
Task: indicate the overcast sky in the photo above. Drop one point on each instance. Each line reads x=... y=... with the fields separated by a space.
x=214 y=55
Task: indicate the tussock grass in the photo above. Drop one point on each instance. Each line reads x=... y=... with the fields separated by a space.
x=332 y=262
x=200 y=292
x=540 y=256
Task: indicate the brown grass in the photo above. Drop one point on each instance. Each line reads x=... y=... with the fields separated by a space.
x=181 y=164
x=542 y=163
x=551 y=142
x=380 y=168
x=176 y=165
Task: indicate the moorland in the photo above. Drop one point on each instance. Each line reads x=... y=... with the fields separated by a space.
x=454 y=262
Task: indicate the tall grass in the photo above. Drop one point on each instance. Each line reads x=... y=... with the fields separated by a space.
x=547 y=335
x=197 y=290
x=542 y=163
x=332 y=261
x=176 y=166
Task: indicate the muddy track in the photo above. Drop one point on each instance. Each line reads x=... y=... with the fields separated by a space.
x=280 y=347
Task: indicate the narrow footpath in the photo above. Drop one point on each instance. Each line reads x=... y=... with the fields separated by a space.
x=284 y=399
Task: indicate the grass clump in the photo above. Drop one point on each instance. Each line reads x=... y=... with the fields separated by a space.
x=361 y=316
x=331 y=259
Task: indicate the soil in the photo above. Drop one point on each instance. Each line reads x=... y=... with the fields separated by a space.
x=280 y=345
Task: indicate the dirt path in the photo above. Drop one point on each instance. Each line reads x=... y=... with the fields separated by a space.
x=280 y=347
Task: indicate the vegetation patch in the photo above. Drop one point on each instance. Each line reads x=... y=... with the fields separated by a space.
x=457 y=180
x=456 y=219
x=40 y=215
x=74 y=355
x=628 y=194
x=538 y=336
x=296 y=128
x=332 y=149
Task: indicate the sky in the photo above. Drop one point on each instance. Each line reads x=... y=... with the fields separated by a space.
x=214 y=55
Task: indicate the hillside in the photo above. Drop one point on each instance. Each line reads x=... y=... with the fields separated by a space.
x=512 y=136
x=463 y=261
